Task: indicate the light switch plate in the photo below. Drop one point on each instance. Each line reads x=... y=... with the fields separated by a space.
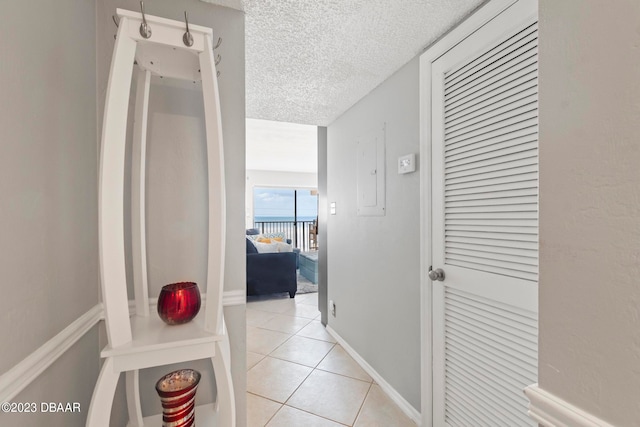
x=333 y=208
x=407 y=164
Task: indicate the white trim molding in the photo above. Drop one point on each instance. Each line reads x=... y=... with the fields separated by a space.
x=551 y=411
x=238 y=297
x=21 y=375
x=393 y=394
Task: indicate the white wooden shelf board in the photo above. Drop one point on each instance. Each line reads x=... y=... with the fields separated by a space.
x=152 y=334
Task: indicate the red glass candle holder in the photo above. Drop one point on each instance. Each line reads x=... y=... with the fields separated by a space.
x=179 y=302
x=177 y=391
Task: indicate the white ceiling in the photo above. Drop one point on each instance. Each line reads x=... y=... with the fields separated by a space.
x=309 y=61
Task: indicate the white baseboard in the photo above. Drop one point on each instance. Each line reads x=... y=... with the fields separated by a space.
x=393 y=394
x=21 y=375
x=551 y=411
x=238 y=297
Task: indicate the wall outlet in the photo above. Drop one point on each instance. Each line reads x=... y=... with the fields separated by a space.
x=332 y=308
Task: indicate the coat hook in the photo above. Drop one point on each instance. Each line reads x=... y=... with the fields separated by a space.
x=219 y=43
x=145 y=30
x=187 y=38
x=115 y=20
x=218 y=73
x=218 y=59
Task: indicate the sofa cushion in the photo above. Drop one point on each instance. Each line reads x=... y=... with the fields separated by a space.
x=276 y=242
x=266 y=248
x=271 y=273
x=251 y=248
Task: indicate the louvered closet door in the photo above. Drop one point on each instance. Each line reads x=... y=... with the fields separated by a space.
x=485 y=223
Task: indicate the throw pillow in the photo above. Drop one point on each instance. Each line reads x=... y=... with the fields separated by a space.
x=284 y=247
x=266 y=248
x=275 y=235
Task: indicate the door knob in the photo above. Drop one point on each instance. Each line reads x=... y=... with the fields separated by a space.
x=437 y=274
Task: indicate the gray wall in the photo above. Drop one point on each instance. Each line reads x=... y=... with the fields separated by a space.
x=373 y=262
x=323 y=213
x=48 y=181
x=590 y=205
x=176 y=177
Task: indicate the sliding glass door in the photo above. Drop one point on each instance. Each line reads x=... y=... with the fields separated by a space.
x=291 y=211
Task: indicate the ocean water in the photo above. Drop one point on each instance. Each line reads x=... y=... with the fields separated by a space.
x=282 y=218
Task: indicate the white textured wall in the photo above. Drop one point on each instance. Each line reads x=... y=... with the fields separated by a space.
x=590 y=205
x=373 y=262
x=48 y=198
x=176 y=175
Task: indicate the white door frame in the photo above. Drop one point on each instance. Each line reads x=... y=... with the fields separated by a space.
x=448 y=41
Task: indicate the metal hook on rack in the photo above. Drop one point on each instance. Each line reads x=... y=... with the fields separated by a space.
x=218 y=73
x=187 y=38
x=145 y=30
x=117 y=22
x=218 y=59
x=219 y=43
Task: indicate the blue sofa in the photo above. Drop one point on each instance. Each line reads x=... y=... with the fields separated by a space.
x=270 y=273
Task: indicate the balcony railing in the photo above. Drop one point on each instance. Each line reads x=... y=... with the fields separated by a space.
x=297 y=231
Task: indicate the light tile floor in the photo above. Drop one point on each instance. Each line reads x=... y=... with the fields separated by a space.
x=298 y=376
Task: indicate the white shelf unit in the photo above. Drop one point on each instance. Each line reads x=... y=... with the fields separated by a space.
x=143 y=340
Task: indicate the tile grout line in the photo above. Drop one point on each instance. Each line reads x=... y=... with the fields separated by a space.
x=370 y=382
x=317 y=339
x=362 y=404
x=294 y=317
x=344 y=376
x=284 y=314
x=266 y=398
x=274 y=414
x=311 y=367
x=306 y=366
x=315 y=415
x=285 y=341
x=271 y=400
x=300 y=385
x=314 y=368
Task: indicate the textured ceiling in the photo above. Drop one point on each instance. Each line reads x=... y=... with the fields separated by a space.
x=309 y=61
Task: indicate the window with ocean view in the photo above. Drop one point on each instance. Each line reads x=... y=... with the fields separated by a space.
x=286 y=210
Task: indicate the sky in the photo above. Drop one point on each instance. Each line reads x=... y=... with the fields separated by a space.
x=278 y=202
